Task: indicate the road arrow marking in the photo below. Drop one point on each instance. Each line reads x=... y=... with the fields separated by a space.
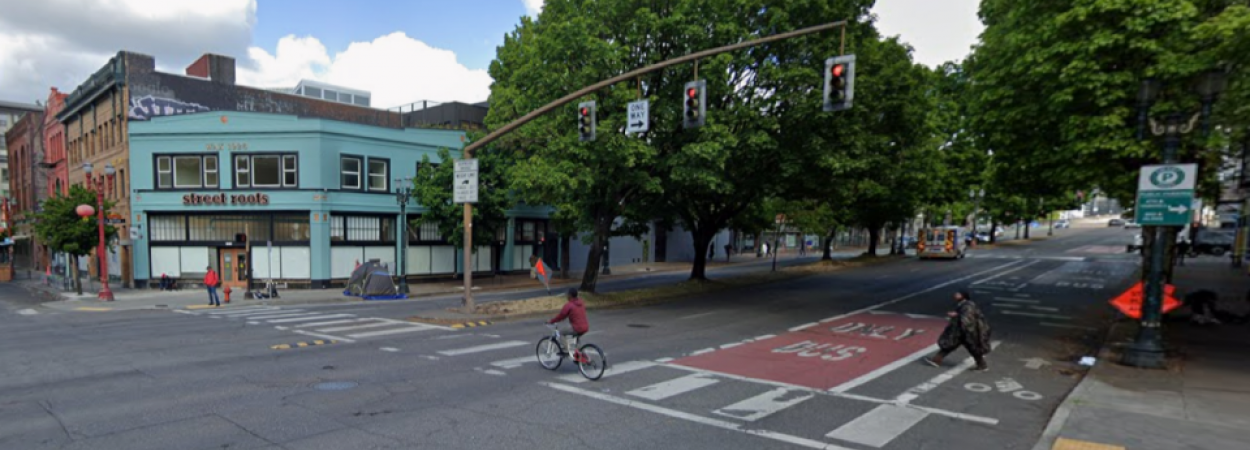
x=1035 y=363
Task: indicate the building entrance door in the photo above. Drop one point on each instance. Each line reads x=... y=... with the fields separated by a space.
x=234 y=268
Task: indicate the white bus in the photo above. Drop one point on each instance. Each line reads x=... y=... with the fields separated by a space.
x=942 y=242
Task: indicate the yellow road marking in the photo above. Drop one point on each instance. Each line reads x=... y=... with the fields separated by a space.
x=93 y=308
x=1073 y=444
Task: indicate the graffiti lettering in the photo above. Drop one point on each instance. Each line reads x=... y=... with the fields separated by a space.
x=147 y=107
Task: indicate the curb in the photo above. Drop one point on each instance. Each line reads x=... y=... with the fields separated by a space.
x=301 y=345
x=472 y=324
x=1050 y=435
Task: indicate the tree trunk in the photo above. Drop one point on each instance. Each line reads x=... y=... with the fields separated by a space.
x=759 y=244
x=827 y=245
x=993 y=231
x=874 y=235
x=702 y=239
x=74 y=269
x=1027 y=225
x=594 y=261
x=565 y=240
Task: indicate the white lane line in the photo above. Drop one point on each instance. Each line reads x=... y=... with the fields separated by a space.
x=1038 y=315
x=494 y=372
x=28 y=312
x=702 y=351
x=731 y=345
x=253 y=322
x=1045 y=308
x=323 y=336
x=923 y=388
x=280 y=328
x=514 y=362
x=425 y=325
x=693 y=316
x=913 y=294
x=481 y=348
x=1006 y=305
x=277 y=316
x=613 y=370
x=862 y=398
x=1022 y=267
x=878 y=372
x=1016 y=300
x=358 y=326
x=332 y=322
x=258 y=313
x=663 y=360
x=764 y=405
x=1064 y=325
x=781 y=437
x=304 y=319
x=676 y=386
x=804 y=326
x=387 y=332
x=879 y=426
x=388 y=349
x=766 y=336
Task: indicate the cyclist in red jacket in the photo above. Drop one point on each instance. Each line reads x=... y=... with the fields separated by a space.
x=575 y=310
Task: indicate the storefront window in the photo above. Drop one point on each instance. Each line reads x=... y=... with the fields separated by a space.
x=168 y=228
x=291 y=228
x=362 y=229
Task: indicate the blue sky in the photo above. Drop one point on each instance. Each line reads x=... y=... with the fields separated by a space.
x=470 y=28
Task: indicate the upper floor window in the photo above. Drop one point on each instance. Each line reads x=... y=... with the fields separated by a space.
x=361 y=173
x=351 y=173
x=186 y=172
x=266 y=171
x=378 y=174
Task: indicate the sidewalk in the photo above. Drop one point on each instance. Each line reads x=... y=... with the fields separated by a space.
x=1202 y=401
x=136 y=299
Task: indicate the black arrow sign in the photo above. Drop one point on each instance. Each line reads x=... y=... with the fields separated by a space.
x=636 y=125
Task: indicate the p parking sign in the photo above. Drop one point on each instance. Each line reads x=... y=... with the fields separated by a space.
x=1165 y=194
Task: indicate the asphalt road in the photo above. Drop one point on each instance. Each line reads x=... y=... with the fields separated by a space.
x=826 y=361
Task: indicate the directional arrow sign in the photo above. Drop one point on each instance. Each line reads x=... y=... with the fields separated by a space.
x=1179 y=209
x=1035 y=363
x=639 y=117
x=1165 y=194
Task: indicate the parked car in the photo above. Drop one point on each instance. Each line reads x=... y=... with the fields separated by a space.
x=1063 y=223
x=1115 y=223
x=983 y=237
x=1215 y=242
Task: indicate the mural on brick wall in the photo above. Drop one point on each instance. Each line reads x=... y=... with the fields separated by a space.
x=147 y=107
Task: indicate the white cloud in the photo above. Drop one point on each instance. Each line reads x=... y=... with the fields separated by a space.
x=939 y=31
x=61 y=42
x=533 y=7
x=395 y=68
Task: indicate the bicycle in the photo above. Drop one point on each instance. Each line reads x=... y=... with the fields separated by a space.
x=590 y=360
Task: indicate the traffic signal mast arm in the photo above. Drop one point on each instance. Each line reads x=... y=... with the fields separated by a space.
x=473 y=146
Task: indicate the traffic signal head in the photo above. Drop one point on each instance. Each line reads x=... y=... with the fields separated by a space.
x=839 y=83
x=694 y=105
x=586 y=121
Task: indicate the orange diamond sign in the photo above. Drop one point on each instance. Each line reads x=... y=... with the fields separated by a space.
x=1130 y=302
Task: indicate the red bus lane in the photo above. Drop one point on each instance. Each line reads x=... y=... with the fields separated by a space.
x=828 y=355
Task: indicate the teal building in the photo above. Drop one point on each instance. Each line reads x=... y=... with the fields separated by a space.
x=298 y=200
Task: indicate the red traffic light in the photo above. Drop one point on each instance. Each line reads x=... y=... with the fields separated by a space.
x=585 y=111
x=837 y=70
x=692 y=92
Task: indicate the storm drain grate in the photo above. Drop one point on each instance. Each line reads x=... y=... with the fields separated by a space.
x=335 y=385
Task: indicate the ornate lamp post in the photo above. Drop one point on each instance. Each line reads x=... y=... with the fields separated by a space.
x=403 y=193
x=101 y=183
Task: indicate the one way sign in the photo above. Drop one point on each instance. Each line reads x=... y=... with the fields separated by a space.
x=639 y=117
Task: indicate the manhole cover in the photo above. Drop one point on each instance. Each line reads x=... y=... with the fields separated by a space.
x=638 y=325
x=336 y=385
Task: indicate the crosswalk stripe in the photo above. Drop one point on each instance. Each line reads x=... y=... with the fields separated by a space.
x=406 y=329
x=1038 y=315
x=277 y=316
x=242 y=310
x=514 y=362
x=258 y=312
x=763 y=405
x=1016 y=300
x=323 y=336
x=878 y=427
x=303 y=319
x=481 y=348
x=358 y=326
x=676 y=386
x=332 y=322
x=613 y=369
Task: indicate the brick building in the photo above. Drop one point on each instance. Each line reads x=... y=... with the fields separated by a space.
x=97 y=114
x=25 y=146
x=10 y=113
x=54 y=161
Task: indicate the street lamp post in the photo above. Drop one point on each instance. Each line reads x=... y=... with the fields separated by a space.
x=1147 y=349
x=976 y=196
x=403 y=193
x=101 y=182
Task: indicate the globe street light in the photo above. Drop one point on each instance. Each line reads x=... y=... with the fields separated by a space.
x=100 y=183
x=403 y=193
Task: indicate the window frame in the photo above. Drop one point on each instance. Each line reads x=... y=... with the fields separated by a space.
x=360 y=166
x=249 y=172
x=386 y=175
x=172 y=171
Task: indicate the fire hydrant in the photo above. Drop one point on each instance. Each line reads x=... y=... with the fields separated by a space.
x=227 y=292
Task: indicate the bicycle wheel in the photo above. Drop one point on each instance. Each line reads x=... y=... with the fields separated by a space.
x=548 y=352
x=591 y=362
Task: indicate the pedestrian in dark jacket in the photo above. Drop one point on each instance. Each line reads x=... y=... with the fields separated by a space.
x=968 y=329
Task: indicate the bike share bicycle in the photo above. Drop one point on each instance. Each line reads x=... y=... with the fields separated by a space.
x=589 y=358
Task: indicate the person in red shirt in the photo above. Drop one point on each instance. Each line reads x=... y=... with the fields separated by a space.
x=574 y=310
x=211 y=281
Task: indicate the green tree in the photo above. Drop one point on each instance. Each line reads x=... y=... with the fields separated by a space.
x=59 y=227
x=432 y=189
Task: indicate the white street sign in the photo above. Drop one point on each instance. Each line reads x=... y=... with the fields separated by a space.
x=1167 y=177
x=465 y=182
x=639 y=117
